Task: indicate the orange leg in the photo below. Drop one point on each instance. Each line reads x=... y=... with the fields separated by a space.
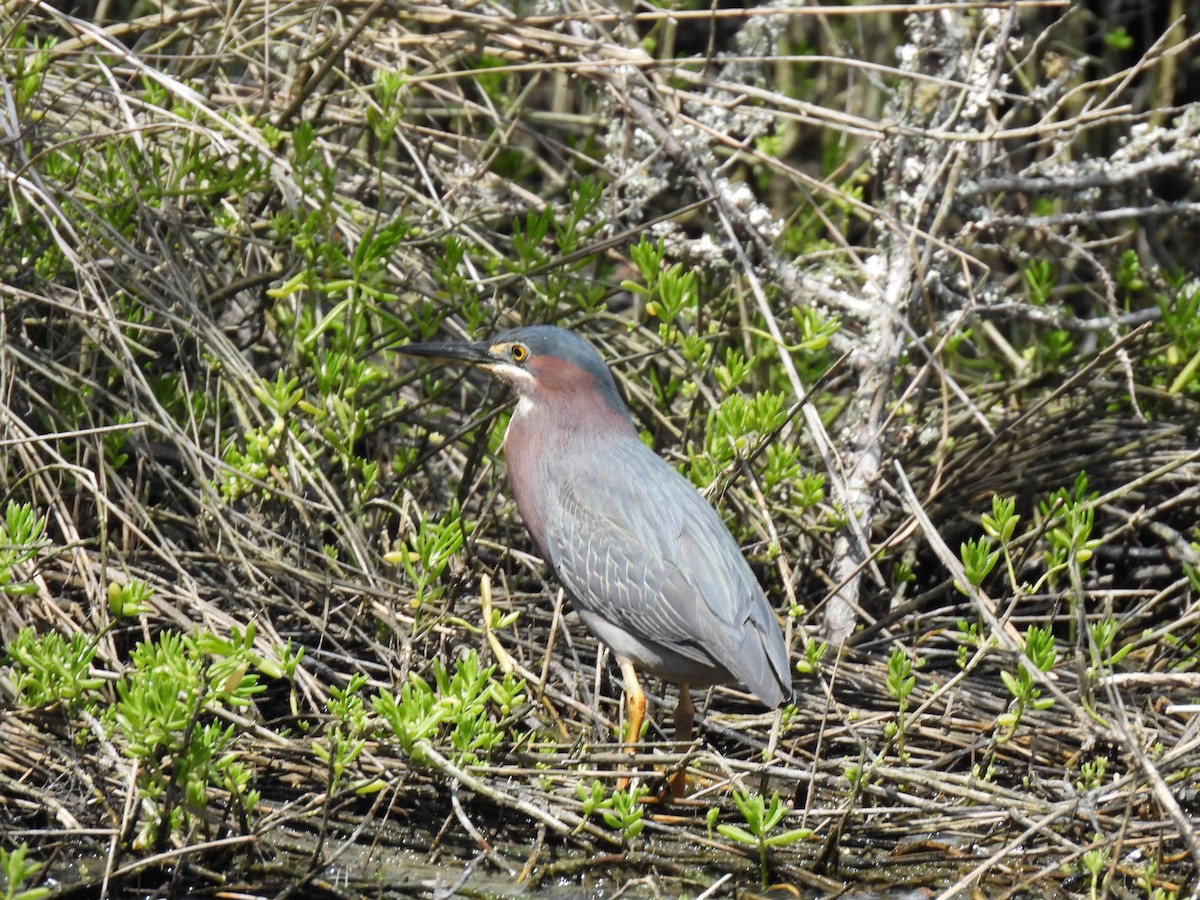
x=635 y=705
x=635 y=712
x=685 y=716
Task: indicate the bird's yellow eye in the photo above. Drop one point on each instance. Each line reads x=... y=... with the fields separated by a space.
x=519 y=353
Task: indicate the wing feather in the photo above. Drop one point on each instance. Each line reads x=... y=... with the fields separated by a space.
x=636 y=544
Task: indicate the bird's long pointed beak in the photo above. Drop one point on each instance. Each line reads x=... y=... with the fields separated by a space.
x=475 y=355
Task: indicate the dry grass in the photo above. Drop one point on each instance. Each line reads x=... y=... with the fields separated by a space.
x=172 y=250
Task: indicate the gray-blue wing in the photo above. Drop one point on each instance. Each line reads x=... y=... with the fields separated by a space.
x=637 y=546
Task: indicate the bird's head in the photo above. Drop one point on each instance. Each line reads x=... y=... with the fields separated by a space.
x=543 y=364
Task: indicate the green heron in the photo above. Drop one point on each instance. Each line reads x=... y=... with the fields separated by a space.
x=649 y=565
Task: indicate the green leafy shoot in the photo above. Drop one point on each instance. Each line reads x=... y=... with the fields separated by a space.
x=167 y=717
x=431 y=547
x=1041 y=654
x=129 y=599
x=761 y=818
x=16 y=869
x=50 y=669
x=22 y=536
x=465 y=708
x=900 y=684
x=625 y=811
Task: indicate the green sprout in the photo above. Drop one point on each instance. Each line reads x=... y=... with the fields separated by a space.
x=1094 y=862
x=1041 y=654
x=900 y=684
x=978 y=559
x=129 y=599
x=625 y=811
x=622 y=809
x=16 y=869
x=22 y=536
x=814 y=652
x=49 y=669
x=761 y=817
x=1070 y=532
x=462 y=708
x=432 y=546
x=167 y=717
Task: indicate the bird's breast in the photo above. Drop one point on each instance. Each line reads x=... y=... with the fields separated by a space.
x=555 y=439
x=532 y=475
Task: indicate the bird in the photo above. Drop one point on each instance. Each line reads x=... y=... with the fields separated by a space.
x=649 y=566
